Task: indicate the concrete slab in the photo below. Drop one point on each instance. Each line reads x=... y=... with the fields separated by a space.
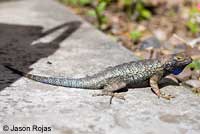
x=45 y=36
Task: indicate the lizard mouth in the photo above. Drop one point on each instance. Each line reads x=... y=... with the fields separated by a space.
x=186 y=62
x=189 y=61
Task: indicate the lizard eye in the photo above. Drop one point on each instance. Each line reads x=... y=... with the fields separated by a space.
x=179 y=58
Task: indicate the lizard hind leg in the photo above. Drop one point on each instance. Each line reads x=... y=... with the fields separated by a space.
x=154 y=86
x=110 y=90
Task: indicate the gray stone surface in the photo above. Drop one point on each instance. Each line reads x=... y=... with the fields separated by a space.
x=85 y=51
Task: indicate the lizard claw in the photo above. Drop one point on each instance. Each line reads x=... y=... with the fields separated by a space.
x=168 y=97
x=119 y=96
x=116 y=95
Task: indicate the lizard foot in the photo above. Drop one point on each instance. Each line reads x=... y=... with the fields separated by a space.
x=116 y=95
x=168 y=97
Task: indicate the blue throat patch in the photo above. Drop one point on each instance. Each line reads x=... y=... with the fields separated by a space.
x=177 y=71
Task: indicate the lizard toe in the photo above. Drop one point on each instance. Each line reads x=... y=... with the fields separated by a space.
x=168 y=97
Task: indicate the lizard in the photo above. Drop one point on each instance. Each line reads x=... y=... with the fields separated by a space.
x=135 y=73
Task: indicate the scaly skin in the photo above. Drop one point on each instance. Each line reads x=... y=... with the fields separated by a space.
x=134 y=73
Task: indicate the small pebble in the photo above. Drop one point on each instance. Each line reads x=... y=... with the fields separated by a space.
x=196 y=90
x=193 y=83
x=196 y=74
x=151 y=42
x=160 y=34
x=48 y=62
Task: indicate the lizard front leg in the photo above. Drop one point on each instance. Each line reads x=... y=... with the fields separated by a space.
x=111 y=88
x=154 y=85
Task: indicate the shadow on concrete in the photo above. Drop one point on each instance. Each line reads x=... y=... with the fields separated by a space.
x=17 y=48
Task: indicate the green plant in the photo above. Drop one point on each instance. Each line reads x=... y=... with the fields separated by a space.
x=71 y=2
x=98 y=12
x=85 y=2
x=143 y=13
x=128 y=7
x=77 y=2
x=193 y=26
x=195 y=64
x=192 y=23
x=135 y=35
x=136 y=8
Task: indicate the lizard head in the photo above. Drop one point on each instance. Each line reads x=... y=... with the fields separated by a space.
x=175 y=63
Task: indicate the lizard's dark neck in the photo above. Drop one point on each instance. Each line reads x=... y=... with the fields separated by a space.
x=174 y=71
x=177 y=71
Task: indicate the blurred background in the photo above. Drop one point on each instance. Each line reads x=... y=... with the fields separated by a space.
x=149 y=28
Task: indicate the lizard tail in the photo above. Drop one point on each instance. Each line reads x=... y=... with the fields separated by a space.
x=16 y=71
x=65 y=82
x=30 y=76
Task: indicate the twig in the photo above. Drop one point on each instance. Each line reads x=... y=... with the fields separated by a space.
x=190 y=43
